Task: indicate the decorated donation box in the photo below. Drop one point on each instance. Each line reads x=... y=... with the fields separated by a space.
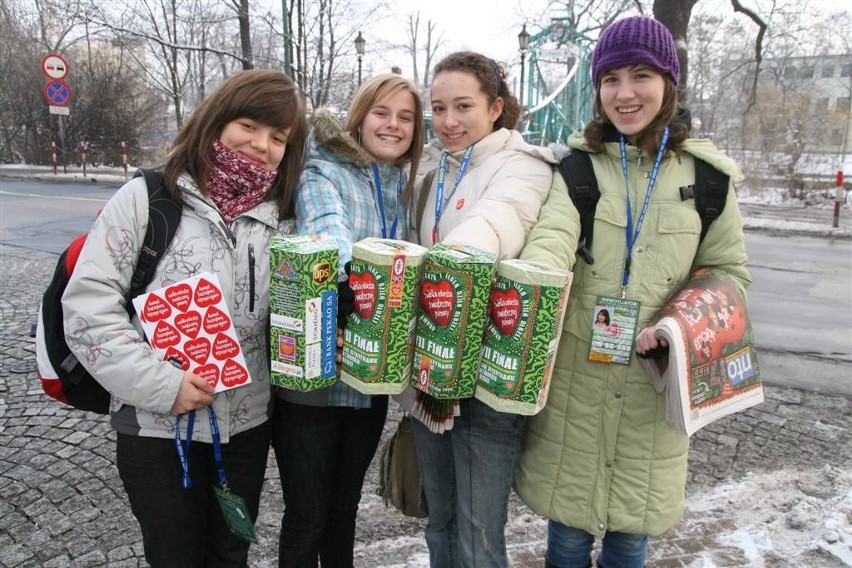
x=454 y=296
x=303 y=311
x=377 y=349
x=188 y=323
x=525 y=321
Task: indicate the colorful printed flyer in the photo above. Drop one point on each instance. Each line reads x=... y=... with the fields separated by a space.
x=189 y=322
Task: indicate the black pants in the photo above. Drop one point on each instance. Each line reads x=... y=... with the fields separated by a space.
x=184 y=528
x=323 y=454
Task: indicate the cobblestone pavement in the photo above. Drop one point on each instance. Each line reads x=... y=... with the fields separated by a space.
x=62 y=503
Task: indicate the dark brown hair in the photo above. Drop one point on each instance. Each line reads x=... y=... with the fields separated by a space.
x=492 y=82
x=649 y=139
x=267 y=96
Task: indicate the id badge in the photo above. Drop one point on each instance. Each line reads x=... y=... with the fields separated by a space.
x=236 y=514
x=614 y=322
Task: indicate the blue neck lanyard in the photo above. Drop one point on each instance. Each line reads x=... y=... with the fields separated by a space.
x=183 y=447
x=629 y=231
x=440 y=202
x=380 y=203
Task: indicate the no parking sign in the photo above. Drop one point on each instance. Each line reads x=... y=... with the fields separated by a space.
x=57 y=92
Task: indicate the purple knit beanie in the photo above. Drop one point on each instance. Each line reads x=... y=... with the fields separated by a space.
x=634 y=41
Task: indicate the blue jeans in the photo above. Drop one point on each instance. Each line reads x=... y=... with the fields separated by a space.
x=184 y=528
x=467 y=477
x=568 y=547
x=323 y=454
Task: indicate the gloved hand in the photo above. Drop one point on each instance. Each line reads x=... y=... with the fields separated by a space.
x=345 y=299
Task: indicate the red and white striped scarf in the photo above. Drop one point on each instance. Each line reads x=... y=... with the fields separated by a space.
x=236 y=184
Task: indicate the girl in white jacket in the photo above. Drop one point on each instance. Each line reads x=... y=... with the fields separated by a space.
x=233 y=167
x=486 y=192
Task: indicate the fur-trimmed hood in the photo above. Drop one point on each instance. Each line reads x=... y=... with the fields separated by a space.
x=328 y=136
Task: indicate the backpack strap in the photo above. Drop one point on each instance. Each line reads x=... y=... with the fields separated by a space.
x=163 y=219
x=576 y=168
x=710 y=192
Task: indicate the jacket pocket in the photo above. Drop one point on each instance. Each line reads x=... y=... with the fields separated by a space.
x=678 y=230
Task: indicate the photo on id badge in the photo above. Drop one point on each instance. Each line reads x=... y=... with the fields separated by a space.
x=614 y=323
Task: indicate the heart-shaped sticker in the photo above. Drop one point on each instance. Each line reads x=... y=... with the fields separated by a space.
x=180 y=296
x=198 y=349
x=173 y=354
x=224 y=347
x=233 y=374
x=506 y=310
x=206 y=294
x=189 y=323
x=215 y=320
x=438 y=301
x=364 y=287
x=165 y=336
x=209 y=373
x=155 y=309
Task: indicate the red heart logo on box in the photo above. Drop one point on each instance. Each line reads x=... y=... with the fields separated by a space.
x=180 y=296
x=155 y=309
x=438 y=301
x=364 y=287
x=506 y=310
x=173 y=353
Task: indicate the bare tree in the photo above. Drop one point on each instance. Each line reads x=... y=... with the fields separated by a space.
x=431 y=43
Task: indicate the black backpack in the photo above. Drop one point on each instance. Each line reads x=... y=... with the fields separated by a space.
x=61 y=374
x=710 y=192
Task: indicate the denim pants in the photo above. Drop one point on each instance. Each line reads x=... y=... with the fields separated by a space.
x=323 y=454
x=184 y=528
x=467 y=477
x=568 y=547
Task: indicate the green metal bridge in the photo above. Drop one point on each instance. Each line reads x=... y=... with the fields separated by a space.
x=558 y=92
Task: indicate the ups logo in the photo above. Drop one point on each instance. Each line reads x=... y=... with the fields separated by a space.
x=321 y=272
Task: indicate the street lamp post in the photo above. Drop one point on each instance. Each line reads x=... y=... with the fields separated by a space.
x=523 y=43
x=359 y=49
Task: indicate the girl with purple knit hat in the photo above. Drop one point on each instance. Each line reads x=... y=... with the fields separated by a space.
x=601 y=460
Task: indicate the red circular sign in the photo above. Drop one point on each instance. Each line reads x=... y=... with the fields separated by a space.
x=57 y=92
x=54 y=66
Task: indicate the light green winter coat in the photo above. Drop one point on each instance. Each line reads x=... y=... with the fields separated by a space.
x=601 y=455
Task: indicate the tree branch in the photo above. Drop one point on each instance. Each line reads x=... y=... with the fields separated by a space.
x=758 y=46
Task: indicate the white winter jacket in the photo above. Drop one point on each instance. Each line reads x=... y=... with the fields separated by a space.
x=114 y=350
x=498 y=199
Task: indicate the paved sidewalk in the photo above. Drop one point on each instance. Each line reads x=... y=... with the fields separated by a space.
x=62 y=504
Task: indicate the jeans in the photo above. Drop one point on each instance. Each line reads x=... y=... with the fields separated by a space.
x=568 y=547
x=184 y=528
x=323 y=454
x=467 y=477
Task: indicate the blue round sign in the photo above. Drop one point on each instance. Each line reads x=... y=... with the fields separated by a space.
x=57 y=92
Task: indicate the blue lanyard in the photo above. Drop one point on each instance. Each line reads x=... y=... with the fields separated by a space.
x=380 y=202
x=183 y=447
x=440 y=202
x=631 y=234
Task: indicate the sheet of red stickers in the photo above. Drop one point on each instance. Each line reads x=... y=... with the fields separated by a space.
x=189 y=324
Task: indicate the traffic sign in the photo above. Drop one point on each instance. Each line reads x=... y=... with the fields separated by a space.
x=57 y=92
x=54 y=66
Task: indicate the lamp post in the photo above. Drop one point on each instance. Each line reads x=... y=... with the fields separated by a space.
x=359 y=49
x=523 y=43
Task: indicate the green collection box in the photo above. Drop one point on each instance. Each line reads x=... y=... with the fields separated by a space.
x=454 y=296
x=377 y=350
x=303 y=311
x=521 y=337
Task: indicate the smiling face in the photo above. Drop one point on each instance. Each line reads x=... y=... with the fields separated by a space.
x=256 y=142
x=461 y=113
x=631 y=97
x=388 y=128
